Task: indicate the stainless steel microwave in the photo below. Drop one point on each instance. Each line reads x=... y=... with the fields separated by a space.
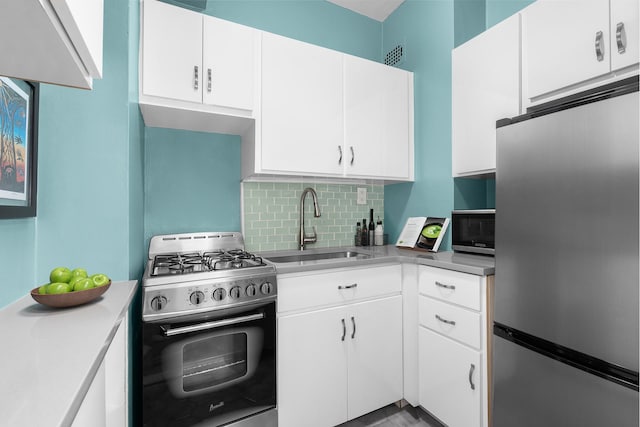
x=473 y=231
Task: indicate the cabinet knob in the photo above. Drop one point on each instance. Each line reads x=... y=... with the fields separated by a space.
x=599 y=45
x=209 y=80
x=621 y=37
x=344 y=330
x=340 y=158
x=443 y=320
x=353 y=155
x=195 y=77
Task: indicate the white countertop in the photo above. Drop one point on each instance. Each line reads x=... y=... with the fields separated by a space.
x=49 y=356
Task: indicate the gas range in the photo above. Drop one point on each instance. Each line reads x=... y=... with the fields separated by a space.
x=196 y=272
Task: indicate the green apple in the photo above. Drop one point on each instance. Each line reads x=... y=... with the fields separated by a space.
x=76 y=279
x=83 y=284
x=58 y=288
x=60 y=275
x=79 y=272
x=43 y=289
x=100 y=279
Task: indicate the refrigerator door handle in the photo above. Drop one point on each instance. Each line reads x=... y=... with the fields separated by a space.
x=472 y=368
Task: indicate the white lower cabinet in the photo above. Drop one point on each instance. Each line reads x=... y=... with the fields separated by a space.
x=341 y=361
x=450 y=380
x=454 y=346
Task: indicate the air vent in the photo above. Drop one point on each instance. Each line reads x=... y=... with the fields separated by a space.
x=394 y=56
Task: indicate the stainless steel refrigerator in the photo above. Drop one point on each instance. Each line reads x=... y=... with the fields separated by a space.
x=567 y=275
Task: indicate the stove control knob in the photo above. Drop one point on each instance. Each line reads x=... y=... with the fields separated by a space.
x=219 y=294
x=158 y=303
x=266 y=288
x=196 y=297
x=251 y=290
x=234 y=292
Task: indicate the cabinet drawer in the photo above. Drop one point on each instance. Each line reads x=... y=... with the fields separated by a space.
x=455 y=322
x=301 y=291
x=451 y=286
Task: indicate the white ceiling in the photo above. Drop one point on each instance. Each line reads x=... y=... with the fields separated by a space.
x=374 y=9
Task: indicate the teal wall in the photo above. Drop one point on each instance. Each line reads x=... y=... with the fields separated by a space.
x=89 y=181
x=498 y=10
x=428 y=28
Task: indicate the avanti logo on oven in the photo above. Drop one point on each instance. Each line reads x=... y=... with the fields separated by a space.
x=215 y=406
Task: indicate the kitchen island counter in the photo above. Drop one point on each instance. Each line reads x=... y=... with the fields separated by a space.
x=50 y=356
x=479 y=265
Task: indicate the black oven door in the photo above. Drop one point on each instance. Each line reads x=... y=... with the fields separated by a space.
x=210 y=370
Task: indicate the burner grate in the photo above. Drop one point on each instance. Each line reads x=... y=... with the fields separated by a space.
x=183 y=263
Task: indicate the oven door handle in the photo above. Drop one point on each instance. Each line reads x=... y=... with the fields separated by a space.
x=168 y=331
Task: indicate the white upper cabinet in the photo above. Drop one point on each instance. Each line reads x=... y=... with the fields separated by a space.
x=378 y=123
x=52 y=41
x=302 y=113
x=172 y=52
x=625 y=34
x=485 y=88
x=570 y=43
x=197 y=72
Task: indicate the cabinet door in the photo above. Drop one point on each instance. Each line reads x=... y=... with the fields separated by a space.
x=624 y=28
x=375 y=354
x=450 y=386
x=302 y=113
x=377 y=133
x=229 y=52
x=486 y=87
x=312 y=369
x=171 y=52
x=559 y=43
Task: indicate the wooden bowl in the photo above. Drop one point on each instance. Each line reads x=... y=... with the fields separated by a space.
x=70 y=299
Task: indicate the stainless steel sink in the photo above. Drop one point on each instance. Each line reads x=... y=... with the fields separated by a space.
x=317 y=256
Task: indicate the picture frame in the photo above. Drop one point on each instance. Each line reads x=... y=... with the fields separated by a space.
x=19 y=106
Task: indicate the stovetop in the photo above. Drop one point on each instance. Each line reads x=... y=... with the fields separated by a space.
x=196 y=262
x=198 y=272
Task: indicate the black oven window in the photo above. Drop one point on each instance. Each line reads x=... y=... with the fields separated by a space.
x=214 y=361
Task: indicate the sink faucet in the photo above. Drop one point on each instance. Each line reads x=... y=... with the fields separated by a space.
x=302 y=237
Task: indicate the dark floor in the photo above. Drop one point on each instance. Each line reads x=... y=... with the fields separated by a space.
x=393 y=416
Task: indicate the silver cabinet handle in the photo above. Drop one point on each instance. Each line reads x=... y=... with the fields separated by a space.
x=353 y=155
x=442 y=285
x=353 y=285
x=471 y=369
x=344 y=330
x=448 y=322
x=353 y=322
x=210 y=325
x=340 y=150
x=209 y=80
x=195 y=77
x=621 y=37
x=599 y=45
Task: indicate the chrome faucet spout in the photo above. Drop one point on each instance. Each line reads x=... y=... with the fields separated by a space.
x=303 y=238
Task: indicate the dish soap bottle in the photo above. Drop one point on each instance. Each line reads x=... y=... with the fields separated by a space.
x=379 y=233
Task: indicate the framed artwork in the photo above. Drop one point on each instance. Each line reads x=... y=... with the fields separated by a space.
x=18 y=147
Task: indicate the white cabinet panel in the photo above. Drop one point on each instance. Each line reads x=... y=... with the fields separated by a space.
x=375 y=355
x=314 y=290
x=451 y=286
x=485 y=88
x=52 y=41
x=229 y=53
x=454 y=322
x=625 y=33
x=312 y=369
x=560 y=43
x=171 y=52
x=302 y=111
x=450 y=380
x=377 y=120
